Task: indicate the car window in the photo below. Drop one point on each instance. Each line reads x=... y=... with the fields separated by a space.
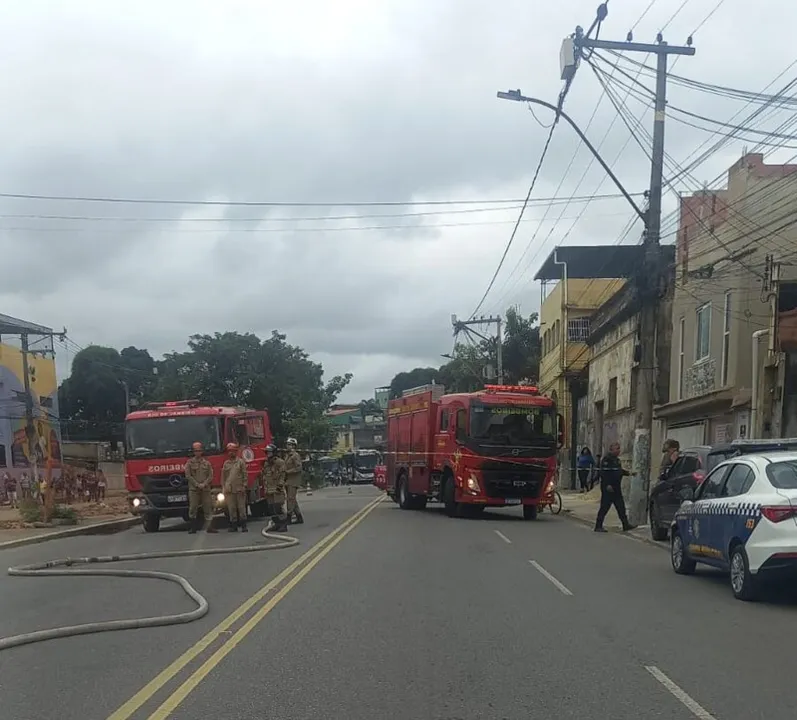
x=712 y=485
x=690 y=464
x=715 y=459
x=739 y=480
x=783 y=475
x=675 y=468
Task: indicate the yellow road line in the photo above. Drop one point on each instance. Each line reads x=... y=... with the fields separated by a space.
x=154 y=685
x=181 y=693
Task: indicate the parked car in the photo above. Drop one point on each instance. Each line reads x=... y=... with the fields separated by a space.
x=742 y=519
x=690 y=469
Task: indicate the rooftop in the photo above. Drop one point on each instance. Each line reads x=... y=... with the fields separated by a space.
x=592 y=262
x=12 y=326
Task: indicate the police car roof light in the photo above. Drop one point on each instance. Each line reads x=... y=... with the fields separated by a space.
x=530 y=389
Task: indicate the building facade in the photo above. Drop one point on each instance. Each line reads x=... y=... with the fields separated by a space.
x=576 y=282
x=608 y=412
x=19 y=452
x=728 y=372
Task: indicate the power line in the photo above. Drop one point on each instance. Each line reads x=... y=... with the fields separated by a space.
x=519 y=220
x=264 y=203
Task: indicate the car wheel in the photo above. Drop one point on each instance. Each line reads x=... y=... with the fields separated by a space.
x=743 y=583
x=530 y=512
x=657 y=532
x=681 y=562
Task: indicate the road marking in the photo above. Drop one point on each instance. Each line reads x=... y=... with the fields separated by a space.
x=503 y=537
x=559 y=586
x=681 y=695
x=223 y=628
x=181 y=693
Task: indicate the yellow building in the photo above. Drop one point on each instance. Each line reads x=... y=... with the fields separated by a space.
x=18 y=454
x=576 y=281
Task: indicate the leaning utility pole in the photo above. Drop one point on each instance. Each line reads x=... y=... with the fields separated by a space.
x=460 y=325
x=649 y=280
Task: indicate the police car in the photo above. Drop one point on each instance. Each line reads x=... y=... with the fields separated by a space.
x=742 y=518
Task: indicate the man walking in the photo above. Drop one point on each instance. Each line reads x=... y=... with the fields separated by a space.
x=612 y=473
x=234 y=483
x=273 y=478
x=199 y=473
x=293 y=481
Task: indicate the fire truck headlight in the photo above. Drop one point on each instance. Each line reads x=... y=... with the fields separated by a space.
x=473 y=484
x=220 y=497
x=136 y=502
x=549 y=487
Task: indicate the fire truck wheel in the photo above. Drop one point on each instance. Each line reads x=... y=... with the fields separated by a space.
x=152 y=522
x=529 y=512
x=452 y=508
x=405 y=500
x=259 y=509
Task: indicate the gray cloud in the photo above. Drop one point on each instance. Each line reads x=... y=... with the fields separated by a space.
x=361 y=102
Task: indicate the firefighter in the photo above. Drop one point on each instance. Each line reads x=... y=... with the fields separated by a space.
x=199 y=473
x=273 y=478
x=293 y=481
x=612 y=473
x=234 y=483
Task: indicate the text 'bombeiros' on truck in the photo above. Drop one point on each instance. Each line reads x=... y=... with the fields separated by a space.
x=158 y=440
x=495 y=447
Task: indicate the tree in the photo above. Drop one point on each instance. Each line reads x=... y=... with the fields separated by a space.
x=464 y=371
x=369 y=407
x=414 y=378
x=92 y=398
x=227 y=368
x=239 y=369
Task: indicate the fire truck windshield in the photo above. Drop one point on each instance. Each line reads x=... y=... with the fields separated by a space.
x=170 y=436
x=513 y=425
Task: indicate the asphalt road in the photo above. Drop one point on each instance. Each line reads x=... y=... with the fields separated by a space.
x=407 y=615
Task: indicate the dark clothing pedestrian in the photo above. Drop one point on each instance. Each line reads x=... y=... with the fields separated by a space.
x=612 y=473
x=585 y=466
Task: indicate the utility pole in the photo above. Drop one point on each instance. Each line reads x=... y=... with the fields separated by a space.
x=649 y=280
x=465 y=325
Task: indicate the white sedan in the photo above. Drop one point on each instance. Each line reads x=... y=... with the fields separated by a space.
x=743 y=519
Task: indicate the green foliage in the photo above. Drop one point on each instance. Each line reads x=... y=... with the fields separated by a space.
x=463 y=373
x=414 y=378
x=30 y=511
x=64 y=512
x=92 y=398
x=227 y=368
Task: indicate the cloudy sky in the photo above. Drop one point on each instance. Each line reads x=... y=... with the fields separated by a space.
x=346 y=103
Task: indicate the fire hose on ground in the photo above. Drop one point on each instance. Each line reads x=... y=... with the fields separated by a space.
x=57 y=568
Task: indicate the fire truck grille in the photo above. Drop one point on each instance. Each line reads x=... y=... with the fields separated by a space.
x=175 y=483
x=512 y=480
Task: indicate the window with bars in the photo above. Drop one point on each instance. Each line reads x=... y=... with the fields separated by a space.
x=578 y=330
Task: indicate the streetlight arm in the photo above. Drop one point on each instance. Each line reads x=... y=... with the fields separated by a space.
x=518 y=97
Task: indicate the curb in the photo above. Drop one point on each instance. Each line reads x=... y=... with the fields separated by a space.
x=101 y=528
x=589 y=523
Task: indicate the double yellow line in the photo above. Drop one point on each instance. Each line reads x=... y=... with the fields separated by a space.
x=319 y=550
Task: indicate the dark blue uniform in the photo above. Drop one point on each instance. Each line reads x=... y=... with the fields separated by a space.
x=612 y=473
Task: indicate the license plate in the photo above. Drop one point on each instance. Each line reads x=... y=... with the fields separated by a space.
x=512 y=501
x=177 y=498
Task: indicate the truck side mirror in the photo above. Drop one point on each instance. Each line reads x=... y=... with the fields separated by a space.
x=560 y=430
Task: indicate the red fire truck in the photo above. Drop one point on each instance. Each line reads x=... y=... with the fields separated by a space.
x=490 y=448
x=158 y=441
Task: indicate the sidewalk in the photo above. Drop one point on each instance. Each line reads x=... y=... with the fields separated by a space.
x=93 y=517
x=584 y=509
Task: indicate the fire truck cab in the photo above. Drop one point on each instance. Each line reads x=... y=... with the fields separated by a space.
x=495 y=447
x=158 y=441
